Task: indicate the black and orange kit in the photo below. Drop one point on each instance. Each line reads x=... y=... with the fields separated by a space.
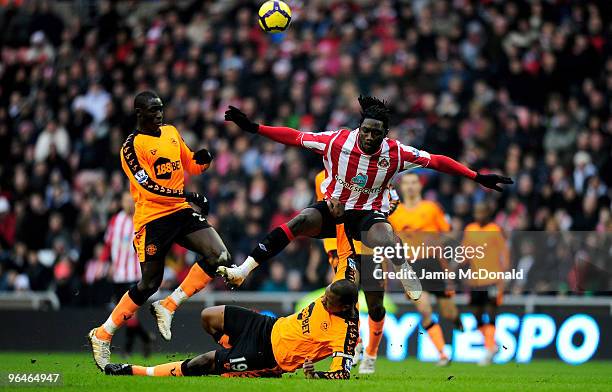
x=263 y=346
x=155 y=166
x=421 y=225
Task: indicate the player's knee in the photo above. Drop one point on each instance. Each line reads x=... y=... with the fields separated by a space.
x=210 y=318
x=224 y=257
x=298 y=223
x=148 y=286
x=220 y=257
x=376 y=312
x=206 y=318
x=381 y=236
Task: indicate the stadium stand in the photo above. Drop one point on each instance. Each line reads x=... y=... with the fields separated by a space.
x=521 y=87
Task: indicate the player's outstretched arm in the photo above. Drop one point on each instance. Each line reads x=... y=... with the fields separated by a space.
x=309 y=372
x=284 y=135
x=411 y=157
x=448 y=165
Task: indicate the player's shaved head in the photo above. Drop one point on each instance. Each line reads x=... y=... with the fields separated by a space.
x=143 y=98
x=149 y=110
x=346 y=291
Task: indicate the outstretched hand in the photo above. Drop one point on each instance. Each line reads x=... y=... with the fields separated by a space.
x=491 y=180
x=309 y=370
x=234 y=115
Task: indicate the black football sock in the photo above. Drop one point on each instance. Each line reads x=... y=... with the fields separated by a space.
x=272 y=245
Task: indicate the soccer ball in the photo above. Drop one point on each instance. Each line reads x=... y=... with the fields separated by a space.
x=274 y=16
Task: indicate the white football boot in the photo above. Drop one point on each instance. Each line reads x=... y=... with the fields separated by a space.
x=368 y=364
x=488 y=358
x=233 y=276
x=164 y=319
x=100 y=349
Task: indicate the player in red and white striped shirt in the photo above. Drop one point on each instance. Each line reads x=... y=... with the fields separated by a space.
x=359 y=165
x=125 y=268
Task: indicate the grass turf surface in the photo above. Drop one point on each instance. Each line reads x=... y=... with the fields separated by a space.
x=80 y=374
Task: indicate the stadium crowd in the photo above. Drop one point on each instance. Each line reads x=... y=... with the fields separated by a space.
x=519 y=87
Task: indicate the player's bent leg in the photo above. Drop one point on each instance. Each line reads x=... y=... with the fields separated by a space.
x=307 y=223
x=207 y=243
x=100 y=337
x=380 y=234
x=376 y=321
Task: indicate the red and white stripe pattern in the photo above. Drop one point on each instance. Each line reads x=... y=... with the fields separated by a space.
x=119 y=240
x=356 y=179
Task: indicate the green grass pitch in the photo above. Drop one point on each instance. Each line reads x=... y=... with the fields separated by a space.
x=79 y=374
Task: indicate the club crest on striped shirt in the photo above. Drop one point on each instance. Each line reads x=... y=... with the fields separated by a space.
x=383 y=162
x=360 y=180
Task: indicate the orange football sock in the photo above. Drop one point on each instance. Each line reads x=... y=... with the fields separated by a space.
x=195 y=281
x=376 y=334
x=437 y=337
x=163 y=370
x=124 y=311
x=488 y=331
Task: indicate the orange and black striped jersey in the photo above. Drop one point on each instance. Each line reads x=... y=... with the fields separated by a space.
x=495 y=255
x=315 y=334
x=155 y=166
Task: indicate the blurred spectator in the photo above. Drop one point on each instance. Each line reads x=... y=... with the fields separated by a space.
x=278 y=278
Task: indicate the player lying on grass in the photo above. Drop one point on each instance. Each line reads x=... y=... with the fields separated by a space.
x=264 y=346
x=154 y=159
x=359 y=165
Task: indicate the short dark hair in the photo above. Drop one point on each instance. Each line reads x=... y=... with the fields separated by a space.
x=374 y=108
x=142 y=98
x=345 y=290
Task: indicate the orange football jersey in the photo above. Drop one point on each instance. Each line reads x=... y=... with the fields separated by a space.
x=419 y=225
x=426 y=216
x=496 y=253
x=155 y=167
x=315 y=334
